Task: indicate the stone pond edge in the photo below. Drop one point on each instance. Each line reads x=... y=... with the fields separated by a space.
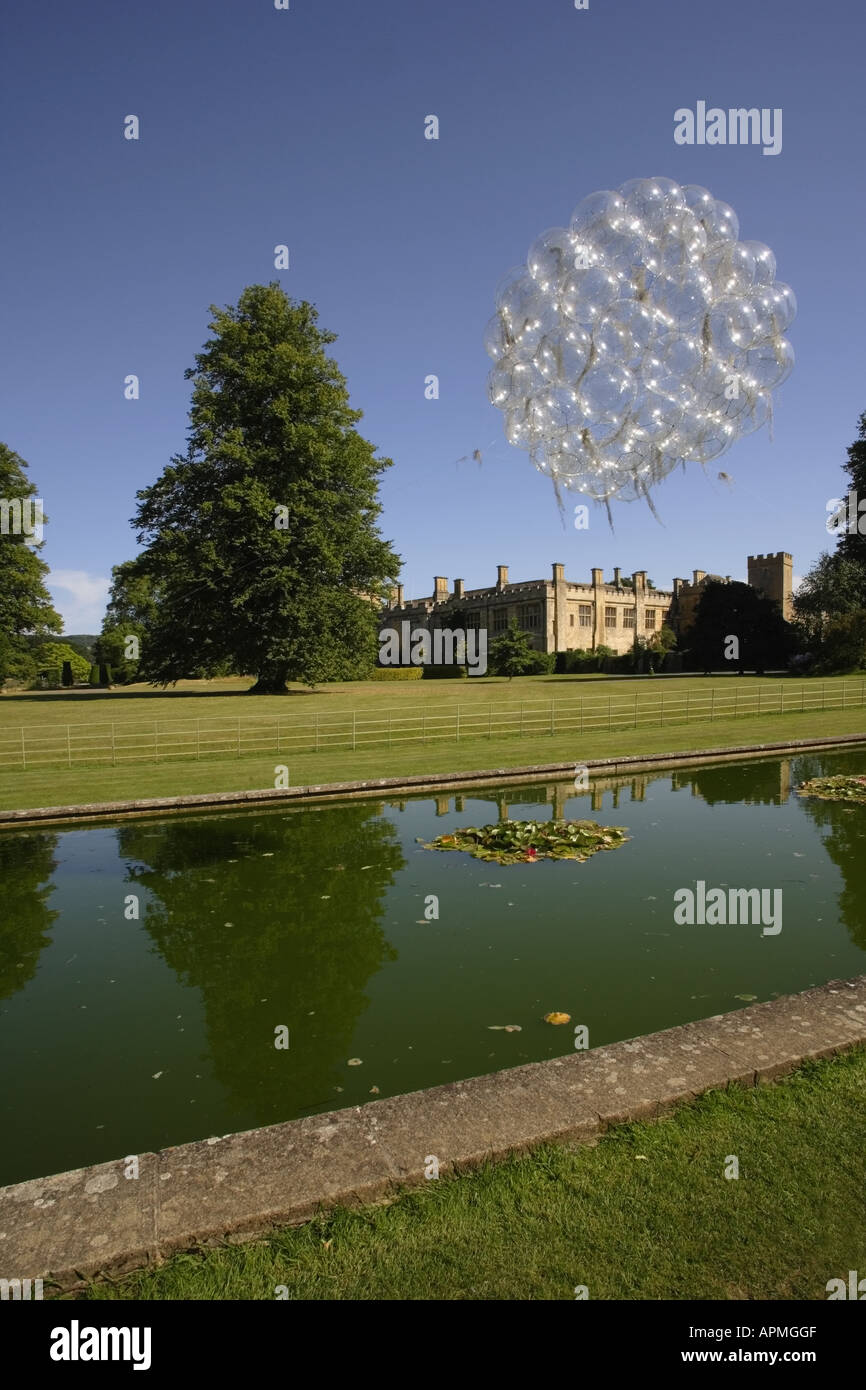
x=97 y=1222
x=639 y=762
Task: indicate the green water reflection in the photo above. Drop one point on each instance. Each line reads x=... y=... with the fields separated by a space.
x=120 y=1035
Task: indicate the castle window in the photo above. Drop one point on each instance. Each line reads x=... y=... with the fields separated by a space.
x=650 y=619
x=530 y=615
x=628 y=617
x=571 y=620
x=500 y=619
x=585 y=614
x=473 y=620
x=610 y=615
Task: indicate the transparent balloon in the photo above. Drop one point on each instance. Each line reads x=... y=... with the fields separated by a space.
x=642 y=336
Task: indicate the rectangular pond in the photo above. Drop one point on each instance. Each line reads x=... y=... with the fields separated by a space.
x=147 y=966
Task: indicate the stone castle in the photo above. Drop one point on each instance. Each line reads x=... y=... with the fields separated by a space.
x=560 y=614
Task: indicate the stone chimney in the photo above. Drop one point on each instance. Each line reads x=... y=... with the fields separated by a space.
x=617 y=577
x=638 y=579
x=698 y=575
x=558 y=574
x=678 y=584
x=458 y=588
x=399 y=603
x=597 y=578
x=440 y=588
x=501 y=576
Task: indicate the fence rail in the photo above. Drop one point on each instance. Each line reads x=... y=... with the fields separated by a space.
x=113 y=743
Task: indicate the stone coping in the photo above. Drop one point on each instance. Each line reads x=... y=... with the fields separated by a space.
x=637 y=762
x=95 y=1222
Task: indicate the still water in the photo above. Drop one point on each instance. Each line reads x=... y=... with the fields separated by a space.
x=119 y=1036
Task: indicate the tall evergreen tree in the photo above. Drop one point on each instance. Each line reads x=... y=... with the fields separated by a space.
x=26 y=610
x=830 y=604
x=261 y=541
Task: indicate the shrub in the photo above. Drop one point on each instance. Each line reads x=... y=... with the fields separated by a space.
x=396 y=673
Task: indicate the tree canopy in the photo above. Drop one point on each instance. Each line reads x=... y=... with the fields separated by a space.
x=26 y=610
x=261 y=544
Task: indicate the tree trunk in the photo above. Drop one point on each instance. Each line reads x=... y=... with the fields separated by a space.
x=271 y=680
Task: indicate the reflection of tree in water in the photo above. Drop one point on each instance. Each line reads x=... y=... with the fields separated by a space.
x=294 y=921
x=26 y=865
x=844 y=836
x=754 y=784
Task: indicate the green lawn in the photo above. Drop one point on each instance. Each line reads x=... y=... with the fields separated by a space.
x=692 y=719
x=646 y=1214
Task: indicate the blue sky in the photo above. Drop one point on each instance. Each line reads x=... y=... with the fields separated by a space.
x=306 y=127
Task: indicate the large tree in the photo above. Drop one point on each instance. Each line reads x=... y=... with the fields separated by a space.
x=131 y=612
x=830 y=604
x=26 y=610
x=261 y=541
x=764 y=640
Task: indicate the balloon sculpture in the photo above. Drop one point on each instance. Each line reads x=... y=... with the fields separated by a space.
x=642 y=336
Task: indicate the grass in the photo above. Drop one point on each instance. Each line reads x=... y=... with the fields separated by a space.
x=646 y=1214
x=60 y=785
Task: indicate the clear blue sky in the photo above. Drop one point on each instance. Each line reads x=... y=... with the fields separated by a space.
x=261 y=126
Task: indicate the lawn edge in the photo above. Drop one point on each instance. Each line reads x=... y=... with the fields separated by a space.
x=101 y=1222
x=637 y=762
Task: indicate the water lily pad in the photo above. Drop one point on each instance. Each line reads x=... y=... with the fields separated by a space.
x=851 y=789
x=527 y=842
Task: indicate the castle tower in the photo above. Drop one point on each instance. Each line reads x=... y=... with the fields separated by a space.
x=773 y=576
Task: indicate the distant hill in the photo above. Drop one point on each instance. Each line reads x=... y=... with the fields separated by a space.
x=79 y=642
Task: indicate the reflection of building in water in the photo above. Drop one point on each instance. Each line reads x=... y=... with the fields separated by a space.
x=753 y=783
x=554 y=794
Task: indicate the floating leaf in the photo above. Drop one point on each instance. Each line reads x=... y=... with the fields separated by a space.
x=840 y=788
x=527 y=842
x=557 y=1018
x=746 y=998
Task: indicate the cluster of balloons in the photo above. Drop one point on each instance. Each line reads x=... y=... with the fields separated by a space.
x=643 y=335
